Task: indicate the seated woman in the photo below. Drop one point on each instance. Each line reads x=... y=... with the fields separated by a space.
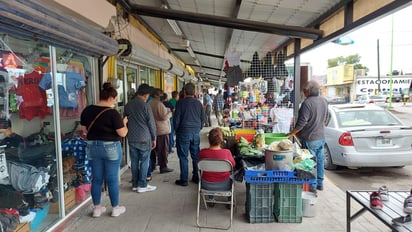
x=216 y=180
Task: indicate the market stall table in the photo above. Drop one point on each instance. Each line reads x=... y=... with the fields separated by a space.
x=393 y=208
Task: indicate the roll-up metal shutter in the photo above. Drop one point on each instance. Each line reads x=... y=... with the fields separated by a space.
x=142 y=56
x=44 y=22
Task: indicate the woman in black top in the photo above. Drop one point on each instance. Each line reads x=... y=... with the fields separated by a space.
x=104 y=128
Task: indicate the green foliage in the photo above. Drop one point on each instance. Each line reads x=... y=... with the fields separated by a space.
x=352 y=59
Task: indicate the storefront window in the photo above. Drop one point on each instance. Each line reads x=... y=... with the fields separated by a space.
x=27 y=106
x=144 y=75
x=153 y=78
x=169 y=84
x=119 y=86
x=132 y=82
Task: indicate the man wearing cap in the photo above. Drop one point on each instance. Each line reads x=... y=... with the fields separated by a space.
x=141 y=137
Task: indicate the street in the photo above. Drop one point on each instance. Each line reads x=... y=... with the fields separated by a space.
x=373 y=178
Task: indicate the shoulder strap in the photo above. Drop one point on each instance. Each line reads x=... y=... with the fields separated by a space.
x=97 y=116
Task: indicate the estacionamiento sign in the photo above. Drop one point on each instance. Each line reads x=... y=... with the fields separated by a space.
x=369 y=85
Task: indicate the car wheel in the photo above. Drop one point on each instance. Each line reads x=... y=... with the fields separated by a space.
x=328 y=159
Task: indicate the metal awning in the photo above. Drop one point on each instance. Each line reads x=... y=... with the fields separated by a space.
x=44 y=22
x=200 y=32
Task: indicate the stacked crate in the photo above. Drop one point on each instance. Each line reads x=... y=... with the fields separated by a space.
x=259 y=203
x=274 y=194
x=288 y=203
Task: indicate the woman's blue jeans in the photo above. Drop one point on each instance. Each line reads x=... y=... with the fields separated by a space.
x=139 y=157
x=316 y=148
x=185 y=143
x=105 y=157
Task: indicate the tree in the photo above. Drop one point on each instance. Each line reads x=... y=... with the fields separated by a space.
x=352 y=59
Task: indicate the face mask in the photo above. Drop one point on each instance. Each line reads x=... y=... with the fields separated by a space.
x=2 y=136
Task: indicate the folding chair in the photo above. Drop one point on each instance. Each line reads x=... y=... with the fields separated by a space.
x=215 y=165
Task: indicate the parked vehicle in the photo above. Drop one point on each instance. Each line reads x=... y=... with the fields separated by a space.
x=366 y=136
x=335 y=100
x=396 y=96
x=379 y=100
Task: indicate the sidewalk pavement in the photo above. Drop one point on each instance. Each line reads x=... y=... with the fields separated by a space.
x=173 y=208
x=401 y=107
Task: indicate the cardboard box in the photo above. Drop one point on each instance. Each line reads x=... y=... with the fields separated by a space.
x=69 y=201
x=23 y=227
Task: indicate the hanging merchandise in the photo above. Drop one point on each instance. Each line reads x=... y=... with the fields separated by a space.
x=70 y=84
x=234 y=73
x=33 y=99
x=255 y=69
x=268 y=70
x=281 y=73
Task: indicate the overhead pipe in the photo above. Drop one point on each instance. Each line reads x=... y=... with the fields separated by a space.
x=34 y=20
x=241 y=24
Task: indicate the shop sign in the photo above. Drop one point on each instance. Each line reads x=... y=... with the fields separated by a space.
x=9 y=60
x=369 y=85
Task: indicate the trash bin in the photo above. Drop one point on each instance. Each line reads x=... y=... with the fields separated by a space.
x=309 y=204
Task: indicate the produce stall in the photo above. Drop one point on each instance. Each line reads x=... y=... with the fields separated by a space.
x=275 y=171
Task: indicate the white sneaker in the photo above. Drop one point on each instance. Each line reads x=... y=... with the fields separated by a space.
x=148 y=188
x=97 y=211
x=134 y=189
x=118 y=210
x=383 y=190
x=407 y=205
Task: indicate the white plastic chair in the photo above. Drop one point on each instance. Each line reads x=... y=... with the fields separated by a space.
x=215 y=165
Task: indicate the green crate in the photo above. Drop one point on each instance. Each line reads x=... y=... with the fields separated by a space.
x=288 y=203
x=259 y=203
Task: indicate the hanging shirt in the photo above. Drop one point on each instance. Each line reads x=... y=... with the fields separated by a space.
x=33 y=98
x=68 y=84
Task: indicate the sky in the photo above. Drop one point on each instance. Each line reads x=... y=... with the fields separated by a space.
x=365 y=44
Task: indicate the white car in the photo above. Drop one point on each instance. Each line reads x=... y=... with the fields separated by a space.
x=379 y=100
x=366 y=136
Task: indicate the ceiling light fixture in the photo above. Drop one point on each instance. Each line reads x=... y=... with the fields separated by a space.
x=175 y=27
x=190 y=51
x=173 y=24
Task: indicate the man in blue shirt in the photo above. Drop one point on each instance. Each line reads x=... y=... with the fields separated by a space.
x=207 y=104
x=188 y=121
x=218 y=104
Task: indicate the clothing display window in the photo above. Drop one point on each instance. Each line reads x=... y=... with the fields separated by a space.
x=29 y=170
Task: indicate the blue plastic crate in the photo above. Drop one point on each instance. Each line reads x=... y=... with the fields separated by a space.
x=274 y=176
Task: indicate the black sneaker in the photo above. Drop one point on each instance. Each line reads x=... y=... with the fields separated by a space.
x=166 y=170
x=320 y=188
x=195 y=180
x=181 y=183
x=312 y=190
x=402 y=220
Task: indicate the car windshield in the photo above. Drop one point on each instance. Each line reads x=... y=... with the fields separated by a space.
x=366 y=118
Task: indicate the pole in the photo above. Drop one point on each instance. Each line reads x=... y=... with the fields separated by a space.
x=391 y=74
x=379 y=69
